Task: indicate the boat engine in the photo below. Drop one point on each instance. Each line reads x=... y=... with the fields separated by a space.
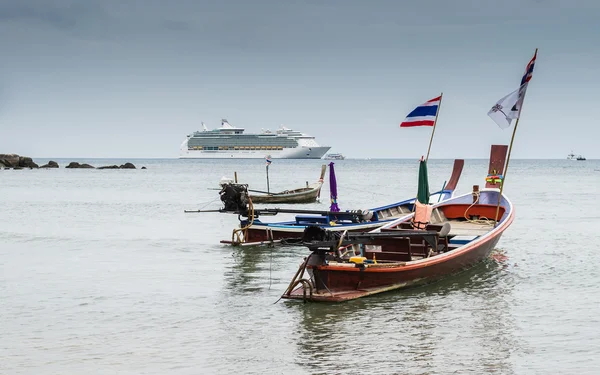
x=314 y=233
x=235 y=198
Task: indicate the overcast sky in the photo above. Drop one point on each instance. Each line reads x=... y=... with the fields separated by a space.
x=130 y=78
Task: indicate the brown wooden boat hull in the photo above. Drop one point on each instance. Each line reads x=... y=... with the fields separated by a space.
x=344 y=283
x=308 y=196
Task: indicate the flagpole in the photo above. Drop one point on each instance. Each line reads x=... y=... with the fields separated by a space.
x=268 y=192
x=434 y=124
x=508 y=157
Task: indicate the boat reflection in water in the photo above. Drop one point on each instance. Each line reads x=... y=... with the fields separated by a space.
x=458 y=325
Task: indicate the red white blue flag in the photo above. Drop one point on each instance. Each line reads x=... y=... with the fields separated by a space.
x=268 y=160
x=529 y=70
x=423 y=115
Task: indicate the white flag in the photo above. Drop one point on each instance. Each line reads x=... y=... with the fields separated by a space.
x=507 y=108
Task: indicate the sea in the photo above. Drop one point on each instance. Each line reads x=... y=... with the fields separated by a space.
x=102 y=272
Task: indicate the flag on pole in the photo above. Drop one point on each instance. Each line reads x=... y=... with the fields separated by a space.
x=423 y=115
x=509 y=107
x=505 y=110
x=268 y=160
x=529 y=70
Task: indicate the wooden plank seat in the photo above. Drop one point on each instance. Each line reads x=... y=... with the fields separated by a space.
x=442 y=241
x=407 y=246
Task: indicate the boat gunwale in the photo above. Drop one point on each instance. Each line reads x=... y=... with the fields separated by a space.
x=426 y=262
x=291 y=193
x=259 y=225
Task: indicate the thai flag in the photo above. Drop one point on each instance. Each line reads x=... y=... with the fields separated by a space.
x=516 y=109
x=268 y=160
x=423 y=115
x=529 y=70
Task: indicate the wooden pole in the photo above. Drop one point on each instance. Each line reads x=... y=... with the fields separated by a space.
x=434 y=124
x=506 y=167
x=509 y=151
x=268 y=191
x=235 y=176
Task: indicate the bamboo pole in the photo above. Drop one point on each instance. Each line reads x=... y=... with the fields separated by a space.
x=434 y=124
x=509 y=151
x=506 y=168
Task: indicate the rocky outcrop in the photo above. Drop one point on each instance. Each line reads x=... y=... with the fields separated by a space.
x=109 y=167
x=51 y=164
x=16 y=161
x=76 y=165
x=27 y=162
x=122 y=166
x=9 y=160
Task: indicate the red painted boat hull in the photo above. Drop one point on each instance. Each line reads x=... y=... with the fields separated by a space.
x=335 y=282
x=349 y=283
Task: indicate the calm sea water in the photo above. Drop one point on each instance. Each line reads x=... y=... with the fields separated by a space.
x=101 y=272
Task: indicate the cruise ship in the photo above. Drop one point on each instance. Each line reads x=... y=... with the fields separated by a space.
x=230 y=142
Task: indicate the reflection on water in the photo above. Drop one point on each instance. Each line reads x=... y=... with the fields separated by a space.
x=461 y=322
x=256 y=268
x=109 y=274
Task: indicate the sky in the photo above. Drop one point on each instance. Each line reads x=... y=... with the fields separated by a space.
x=131 y=78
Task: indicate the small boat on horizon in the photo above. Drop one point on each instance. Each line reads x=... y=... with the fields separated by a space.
x=572 y=156
x=334 y=157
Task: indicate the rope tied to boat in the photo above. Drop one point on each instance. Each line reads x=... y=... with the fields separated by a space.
x=481 y=219
x=242 y=233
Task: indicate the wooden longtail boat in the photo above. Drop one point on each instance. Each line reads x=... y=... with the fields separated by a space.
x=306 y=194
x=462 y=232
x=256 y=232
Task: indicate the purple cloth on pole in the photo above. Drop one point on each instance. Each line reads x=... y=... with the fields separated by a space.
x=333 y=189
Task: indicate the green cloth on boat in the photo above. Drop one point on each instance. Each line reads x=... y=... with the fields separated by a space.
x=423 y=192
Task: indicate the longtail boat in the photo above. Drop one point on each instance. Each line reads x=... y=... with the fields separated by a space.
x=306 y=194
x=460 y=232
x=253 y=231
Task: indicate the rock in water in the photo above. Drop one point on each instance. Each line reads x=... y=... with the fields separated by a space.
x=51 y=164
x=27 y=162
x=9 y=160
x=143 y=168
x=122 y=166
x=109 y=167
x=75 y=164
x=16 y=161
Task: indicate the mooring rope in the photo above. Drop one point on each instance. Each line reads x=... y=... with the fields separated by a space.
x=244 y=230
x=482 y=219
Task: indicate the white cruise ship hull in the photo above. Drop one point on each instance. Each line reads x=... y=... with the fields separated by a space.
x=302 y=152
